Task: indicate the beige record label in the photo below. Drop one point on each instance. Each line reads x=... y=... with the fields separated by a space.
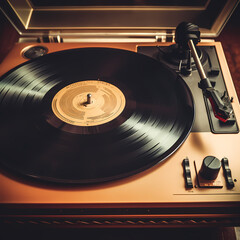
x=88 y=103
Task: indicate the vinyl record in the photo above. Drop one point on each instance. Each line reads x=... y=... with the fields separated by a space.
x=91 y=115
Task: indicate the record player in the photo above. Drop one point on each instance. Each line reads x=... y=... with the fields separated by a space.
x=107 y=122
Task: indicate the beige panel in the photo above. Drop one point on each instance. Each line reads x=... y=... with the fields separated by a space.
x=163 y=183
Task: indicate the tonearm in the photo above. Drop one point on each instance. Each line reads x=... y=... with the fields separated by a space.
x=187 y=36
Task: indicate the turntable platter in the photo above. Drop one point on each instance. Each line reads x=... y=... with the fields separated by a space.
x=91 y=115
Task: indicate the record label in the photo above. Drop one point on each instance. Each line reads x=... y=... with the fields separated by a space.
x=88 y=103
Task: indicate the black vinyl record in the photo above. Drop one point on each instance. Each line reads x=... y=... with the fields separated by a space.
x=156 y=118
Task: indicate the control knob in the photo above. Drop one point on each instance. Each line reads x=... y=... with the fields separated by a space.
x=210 y=168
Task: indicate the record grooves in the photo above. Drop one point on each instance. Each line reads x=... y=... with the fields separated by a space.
x=153 y=122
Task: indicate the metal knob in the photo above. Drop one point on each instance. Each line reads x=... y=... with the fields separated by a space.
x=89 y=98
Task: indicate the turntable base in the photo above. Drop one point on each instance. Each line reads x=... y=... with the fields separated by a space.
x=156 y=197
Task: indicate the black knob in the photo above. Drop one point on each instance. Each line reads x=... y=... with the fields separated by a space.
x=210 y=168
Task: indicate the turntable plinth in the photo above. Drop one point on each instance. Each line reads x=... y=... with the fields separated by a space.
x=153 y=198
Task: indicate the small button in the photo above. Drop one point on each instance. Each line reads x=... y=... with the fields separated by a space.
x=228 y=173
x=187 y=173
x=34 y=52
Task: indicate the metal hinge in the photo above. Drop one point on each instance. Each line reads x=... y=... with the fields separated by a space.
x=165 y=38
x=50 y=39
x=57 y=38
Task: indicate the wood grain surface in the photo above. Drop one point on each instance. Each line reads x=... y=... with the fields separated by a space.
x=230 y=39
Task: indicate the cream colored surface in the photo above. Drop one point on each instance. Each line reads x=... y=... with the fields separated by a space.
x=71 y=105
x=163 y=183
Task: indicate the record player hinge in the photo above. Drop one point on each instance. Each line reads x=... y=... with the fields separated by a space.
x=50 y=39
